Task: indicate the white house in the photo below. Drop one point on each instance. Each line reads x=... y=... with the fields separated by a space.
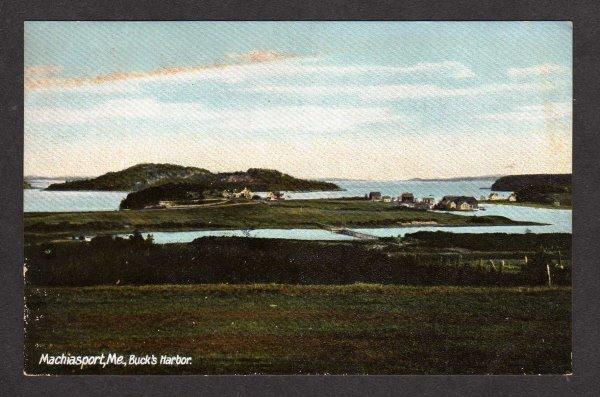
x=246 y=193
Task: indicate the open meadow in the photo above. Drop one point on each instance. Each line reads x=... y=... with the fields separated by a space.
x=291 y=329
x=429 y=303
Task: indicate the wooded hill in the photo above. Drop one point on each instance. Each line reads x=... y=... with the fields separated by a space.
x=538 y=188
x=212 y=185
x=143 y=176
x=512 y=183
x=134 y=178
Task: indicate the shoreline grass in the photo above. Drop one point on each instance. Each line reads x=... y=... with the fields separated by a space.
x=256 y=215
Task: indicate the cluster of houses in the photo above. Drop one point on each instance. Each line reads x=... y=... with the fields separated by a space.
x=496 y=197
x=248 y=194
x=457 y=203
x=406 y=199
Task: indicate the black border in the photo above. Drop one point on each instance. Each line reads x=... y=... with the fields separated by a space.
x=585 y=15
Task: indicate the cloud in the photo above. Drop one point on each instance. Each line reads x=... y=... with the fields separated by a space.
x=451 y=69
x=257 y=56
x=144 y=108
x=403 y=91
x=34 y=80
x=545 y=69
x=307 y=118
x=241 y=67
x=42 y=72
x=547 y=112
x=194 y=115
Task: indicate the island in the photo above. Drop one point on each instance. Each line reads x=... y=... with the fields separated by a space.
x=543 y=190
x=133 y=178
x=158 y=182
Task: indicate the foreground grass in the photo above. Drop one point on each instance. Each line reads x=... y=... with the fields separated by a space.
x=288 y=329
x=284 y=214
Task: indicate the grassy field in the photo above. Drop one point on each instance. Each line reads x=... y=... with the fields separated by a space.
x=285 y=329
x=253 y=214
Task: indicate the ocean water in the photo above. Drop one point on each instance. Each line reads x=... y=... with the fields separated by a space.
x=38 y=200
x=420 y=189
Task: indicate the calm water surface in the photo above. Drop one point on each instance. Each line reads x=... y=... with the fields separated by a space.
x=288 y=234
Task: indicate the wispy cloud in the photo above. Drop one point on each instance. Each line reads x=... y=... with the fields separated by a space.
x=194 y=115
x=551 y=111
x=404 y=91
x=237 y=68
x=35 y=79
x=42 y=72
x=128 y=109
x=545 y=69
x=257 y=56
x=450 y=69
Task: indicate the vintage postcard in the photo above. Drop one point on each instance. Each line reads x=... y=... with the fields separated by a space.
x=297 y=197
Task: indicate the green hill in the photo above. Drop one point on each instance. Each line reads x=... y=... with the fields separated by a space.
x=512 y=183
x=547 y=189
x=212 y=185
x=133 y=178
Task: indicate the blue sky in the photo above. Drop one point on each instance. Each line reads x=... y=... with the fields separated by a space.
x=370 y=100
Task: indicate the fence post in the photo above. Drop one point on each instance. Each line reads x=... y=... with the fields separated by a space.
x=549 y=278
x=560 y=260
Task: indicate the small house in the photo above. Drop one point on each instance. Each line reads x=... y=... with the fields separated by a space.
x=426 y=203
x=512 y=197
x=429 y=200
x=246 y=193
x=460 y=203
x=375 y=196
x=494 y=196
x=274 y=196
x=464 y=206
x=407 y=197
x=387 y=199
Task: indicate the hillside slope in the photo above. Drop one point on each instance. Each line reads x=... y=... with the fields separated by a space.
x=211 y=185
x=134 y=178
x=513 y=183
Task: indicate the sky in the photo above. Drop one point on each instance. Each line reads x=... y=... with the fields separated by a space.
x=359 y=100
